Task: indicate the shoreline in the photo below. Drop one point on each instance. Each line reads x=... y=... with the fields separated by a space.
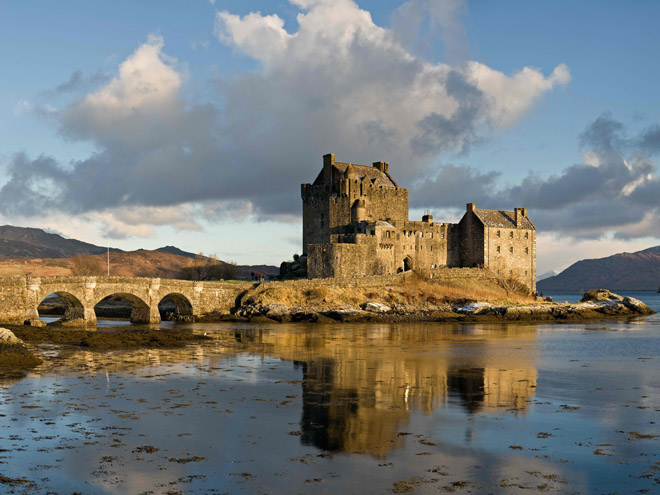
x=596 y=304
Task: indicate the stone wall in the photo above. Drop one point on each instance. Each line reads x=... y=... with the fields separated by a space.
x=20 y=297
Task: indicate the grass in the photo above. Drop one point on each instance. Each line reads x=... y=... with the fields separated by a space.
x=415 y=292
x=17 y=357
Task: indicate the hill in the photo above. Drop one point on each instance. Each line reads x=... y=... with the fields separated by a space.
x=623 y=271
x=140 y=263
x=21 y=242
x=39 y=253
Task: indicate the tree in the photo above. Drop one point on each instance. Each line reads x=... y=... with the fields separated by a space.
x=209 y=268
x=511 y=284
x=84 y=265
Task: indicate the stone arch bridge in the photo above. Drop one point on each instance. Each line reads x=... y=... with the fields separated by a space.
x=20 y=297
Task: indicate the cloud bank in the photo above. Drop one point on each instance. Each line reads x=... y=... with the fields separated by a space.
x=615 y=189
x=339 y=83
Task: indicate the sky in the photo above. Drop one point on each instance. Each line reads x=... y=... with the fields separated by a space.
x=145 y=124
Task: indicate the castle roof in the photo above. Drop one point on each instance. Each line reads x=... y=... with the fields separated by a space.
x=372 y=174
x=502 y=219
x=381 y=223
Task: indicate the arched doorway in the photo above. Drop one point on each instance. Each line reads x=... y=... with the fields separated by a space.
x=175 y=307
x=123 y=306
x=407 y=264
x=61 y=307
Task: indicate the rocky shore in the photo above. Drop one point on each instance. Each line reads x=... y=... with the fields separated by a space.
x=597 y=303
x=14 y=354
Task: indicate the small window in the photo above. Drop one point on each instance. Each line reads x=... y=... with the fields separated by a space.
x=525 y=272
x=526 y=250
x=511 y=234
x=498 y=249
x=498 y=233
x=526 y=235
x=511 y=249
x=421 y=234
x=431 y=235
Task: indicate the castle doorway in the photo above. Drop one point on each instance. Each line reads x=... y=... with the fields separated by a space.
x=407 y=264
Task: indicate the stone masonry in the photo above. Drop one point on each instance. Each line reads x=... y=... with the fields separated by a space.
x=355 y=224
x=20 y=297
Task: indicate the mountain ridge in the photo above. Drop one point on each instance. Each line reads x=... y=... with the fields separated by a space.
x=621 y=271
x=31 y=250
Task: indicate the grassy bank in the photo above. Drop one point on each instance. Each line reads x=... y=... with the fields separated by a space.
x=416 y=292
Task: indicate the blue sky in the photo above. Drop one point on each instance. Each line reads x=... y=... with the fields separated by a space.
x=551 y=105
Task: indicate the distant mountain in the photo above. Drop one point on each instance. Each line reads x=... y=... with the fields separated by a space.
x=623 y=271
x=28 y=250
x=545 y=275
x=176 y=250
x=21 y=242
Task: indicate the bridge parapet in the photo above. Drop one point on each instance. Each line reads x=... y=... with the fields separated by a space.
x=20 y=297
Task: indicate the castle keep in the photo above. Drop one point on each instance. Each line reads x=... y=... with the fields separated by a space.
x=355 y=223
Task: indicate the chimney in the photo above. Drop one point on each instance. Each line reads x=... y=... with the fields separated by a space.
x=428 y=218
x=382 y=166
x=470 y=207
x=519 y=213
x=328 y=164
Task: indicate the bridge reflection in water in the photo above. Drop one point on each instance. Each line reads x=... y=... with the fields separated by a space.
x=361 y=383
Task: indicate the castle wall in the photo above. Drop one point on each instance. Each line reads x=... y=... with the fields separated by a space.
x=471 y=243
x=316 y=215
x=424 y=243
x=352 y=255
x=512 y=253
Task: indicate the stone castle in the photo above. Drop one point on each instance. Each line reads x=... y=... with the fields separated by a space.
x=355 y=223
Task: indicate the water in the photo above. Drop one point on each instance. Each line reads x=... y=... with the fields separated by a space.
x=352 y=408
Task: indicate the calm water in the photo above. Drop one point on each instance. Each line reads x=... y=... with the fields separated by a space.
x=417 y=408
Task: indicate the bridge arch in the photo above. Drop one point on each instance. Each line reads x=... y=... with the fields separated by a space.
x=74 y=310
x=176 y=306
x=141 y=312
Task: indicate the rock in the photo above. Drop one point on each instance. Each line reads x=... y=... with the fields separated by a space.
x=7 y=337
x=275 y=311
x=474 y=308
x=600 y=295
x=636 y=305
x=35 y=323
x=347 y=314
x=376 y=307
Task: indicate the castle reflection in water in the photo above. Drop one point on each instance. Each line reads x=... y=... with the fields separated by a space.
x=361 y=382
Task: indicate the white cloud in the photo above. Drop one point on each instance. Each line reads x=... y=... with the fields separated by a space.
x=146 y=90
x=22 y=107
x=261 y=37
x=338 y=83
x=512 y=96
x=365 y=82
